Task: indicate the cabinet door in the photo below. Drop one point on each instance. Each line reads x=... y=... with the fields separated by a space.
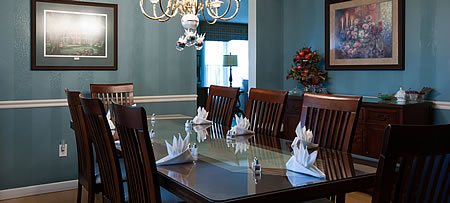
x=374 y=139
x=358 y=140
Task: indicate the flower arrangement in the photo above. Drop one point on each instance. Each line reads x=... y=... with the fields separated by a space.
x=363 y=38
x=305 y=68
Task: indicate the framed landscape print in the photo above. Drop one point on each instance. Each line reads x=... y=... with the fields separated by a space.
x=73 y=35
x=364 y=35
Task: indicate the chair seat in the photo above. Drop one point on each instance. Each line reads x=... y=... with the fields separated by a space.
x=98 y=180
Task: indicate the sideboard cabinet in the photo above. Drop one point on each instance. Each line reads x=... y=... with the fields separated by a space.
x=374 y=116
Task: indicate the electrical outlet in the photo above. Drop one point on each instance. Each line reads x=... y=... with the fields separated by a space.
x=62 y=150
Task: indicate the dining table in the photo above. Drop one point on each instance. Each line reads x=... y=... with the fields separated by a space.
x=223 y=169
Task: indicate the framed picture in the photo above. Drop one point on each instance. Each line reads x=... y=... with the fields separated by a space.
x=73 y=35
x=364 y=35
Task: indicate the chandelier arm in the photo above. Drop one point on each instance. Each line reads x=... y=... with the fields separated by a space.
x=154 y=17
x=206 y=20
x=215 y=13
x=173 y=9
x=235 y=12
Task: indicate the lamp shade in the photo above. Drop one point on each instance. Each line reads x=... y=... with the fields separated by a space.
x=230 y=60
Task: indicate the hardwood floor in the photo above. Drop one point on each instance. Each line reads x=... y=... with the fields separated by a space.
x=71 y=196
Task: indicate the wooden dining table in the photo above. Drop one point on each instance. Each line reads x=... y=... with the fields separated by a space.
x=223 y=172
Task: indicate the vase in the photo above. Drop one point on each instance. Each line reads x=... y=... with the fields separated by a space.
x=310 y=88
x=315 y=89
x=297 y=90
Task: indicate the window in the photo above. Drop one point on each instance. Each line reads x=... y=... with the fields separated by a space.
x=214 y=71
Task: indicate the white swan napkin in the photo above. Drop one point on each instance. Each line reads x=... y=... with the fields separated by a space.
x=178 y=152
x=202 y=132
x=110 y=122
x=201 y=117
x=242 y=126
x=303 y=135
x=303 y=162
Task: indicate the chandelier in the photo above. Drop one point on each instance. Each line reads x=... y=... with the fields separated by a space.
x=190 y=10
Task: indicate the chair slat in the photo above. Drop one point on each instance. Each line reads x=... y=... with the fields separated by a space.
x=121 y=93
x=332 y=119
x=417 y=171
x=265 y=109
x=220 y=104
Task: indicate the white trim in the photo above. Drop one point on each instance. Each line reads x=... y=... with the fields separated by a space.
x=442 y=105
x=38 y=189
x=18 y=104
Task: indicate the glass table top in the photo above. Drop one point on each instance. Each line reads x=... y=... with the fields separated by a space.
x=223 y=169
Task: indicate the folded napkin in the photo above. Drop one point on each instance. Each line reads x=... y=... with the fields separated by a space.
x=178 y=152
x=303 y=135
x=201 y=117
x=303 y=162
x=202 y=132
x=297 y=179
x=110 y=122
x=241 y=128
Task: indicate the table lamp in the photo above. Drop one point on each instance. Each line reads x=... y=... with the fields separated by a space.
x=230 y=60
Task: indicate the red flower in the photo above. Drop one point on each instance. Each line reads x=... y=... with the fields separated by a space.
x=307 y=50
x=302 y=54
x=307 y=57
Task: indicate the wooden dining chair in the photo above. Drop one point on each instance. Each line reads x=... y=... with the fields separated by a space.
x=331 y=118
x=220 y=104
x=137 y=152
x=108 y=162
x=414 y=165
x=265 y=109
x=85 y=152
x=122 y=93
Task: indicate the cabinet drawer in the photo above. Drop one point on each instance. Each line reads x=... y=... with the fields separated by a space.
x=382 y=116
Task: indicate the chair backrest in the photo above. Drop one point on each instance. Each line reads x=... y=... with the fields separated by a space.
x=85 y=150
x=414 y=165
x=265 y=109
x=122 y=93
x=98 y=130
x=137 y=152
x=331 y=118
x=220 y=104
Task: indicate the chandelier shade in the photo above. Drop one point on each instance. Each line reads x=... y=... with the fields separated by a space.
x=190 y=10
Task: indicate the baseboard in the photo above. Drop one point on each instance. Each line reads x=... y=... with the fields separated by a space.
x=38 y=189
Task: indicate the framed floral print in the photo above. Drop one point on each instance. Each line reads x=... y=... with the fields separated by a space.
x=73 y=35
x=364 y=35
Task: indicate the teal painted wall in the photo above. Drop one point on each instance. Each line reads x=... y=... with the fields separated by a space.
x=29 y=137
x=426 y=53
x=269 y=44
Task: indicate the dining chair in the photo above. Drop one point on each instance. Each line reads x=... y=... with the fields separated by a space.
x=122 y=93
x=137 y=152
x=85 y=152
x=331 y=118
x=414 y=164
x=265 y=109
x=114 y=190
x=220 y=104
